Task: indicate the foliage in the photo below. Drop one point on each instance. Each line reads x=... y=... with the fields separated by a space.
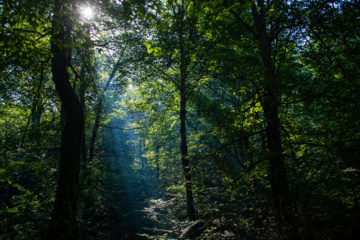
x=127 y=65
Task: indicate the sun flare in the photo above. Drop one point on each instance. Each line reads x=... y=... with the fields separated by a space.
x=87 y=12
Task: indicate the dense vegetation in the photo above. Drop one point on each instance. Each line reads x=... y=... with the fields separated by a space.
x=213 y=119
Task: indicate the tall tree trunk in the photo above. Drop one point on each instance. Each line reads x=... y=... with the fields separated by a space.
x=184 y=156
x=184 y=62
x=63 y=222
x=278 y=178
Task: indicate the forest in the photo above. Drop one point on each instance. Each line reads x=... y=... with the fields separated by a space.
x=179 y=119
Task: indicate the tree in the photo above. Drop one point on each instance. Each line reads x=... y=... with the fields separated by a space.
x=270 y=107
x=265 y=28
x=63 y=222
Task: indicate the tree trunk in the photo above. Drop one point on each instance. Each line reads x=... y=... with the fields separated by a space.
x=184 y=62
x=269 y=103
x=184 y=160
x=63 y=222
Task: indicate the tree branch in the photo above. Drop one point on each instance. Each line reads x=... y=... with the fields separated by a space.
x=244 y=24
x=119 y=128
x=232 y=142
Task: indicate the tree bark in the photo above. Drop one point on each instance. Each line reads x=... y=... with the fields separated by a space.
x=185 y=161
x=184 y=62
x=269 y=103
x=63 y=222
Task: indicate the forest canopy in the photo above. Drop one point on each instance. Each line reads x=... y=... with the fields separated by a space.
x=179 y=119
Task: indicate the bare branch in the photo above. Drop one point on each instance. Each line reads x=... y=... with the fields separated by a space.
x=107 y=43
x=119 y=128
